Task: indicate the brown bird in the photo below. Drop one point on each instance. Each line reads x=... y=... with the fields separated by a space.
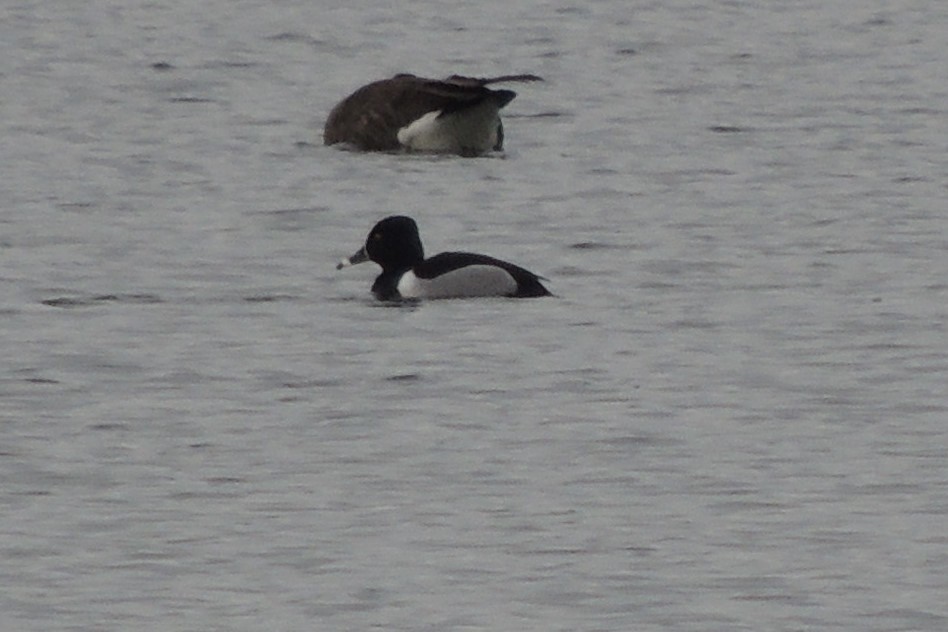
x=457 y=115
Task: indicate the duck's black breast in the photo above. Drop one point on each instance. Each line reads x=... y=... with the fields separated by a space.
x=385 y=287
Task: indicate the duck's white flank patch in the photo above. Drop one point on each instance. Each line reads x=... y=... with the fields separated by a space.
x=465 y=282
x=468 y=130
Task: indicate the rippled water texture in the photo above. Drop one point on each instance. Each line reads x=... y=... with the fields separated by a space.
x=731 y=417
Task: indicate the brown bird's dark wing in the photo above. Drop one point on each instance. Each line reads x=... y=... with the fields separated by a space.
x=478 y=81
x=370 y=117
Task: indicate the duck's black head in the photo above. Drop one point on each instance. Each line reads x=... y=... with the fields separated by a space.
x=394 y=244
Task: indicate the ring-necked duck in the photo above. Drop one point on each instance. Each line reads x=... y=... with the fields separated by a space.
x=457 y=115
x=395 y=245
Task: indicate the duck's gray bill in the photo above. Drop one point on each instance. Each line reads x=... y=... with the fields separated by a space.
x=359 y=257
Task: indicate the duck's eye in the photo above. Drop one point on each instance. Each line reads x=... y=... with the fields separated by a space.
x=376 y=236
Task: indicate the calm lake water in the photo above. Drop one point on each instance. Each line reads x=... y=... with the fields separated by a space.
x=733 y=416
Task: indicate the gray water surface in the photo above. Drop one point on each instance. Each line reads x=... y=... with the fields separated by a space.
x=731 y=417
